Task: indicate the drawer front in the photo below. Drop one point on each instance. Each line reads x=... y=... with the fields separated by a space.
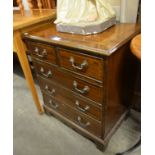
x=85 y=65
x=42 y=52
x=82 y=120
x=80 y=87
x=62 y=94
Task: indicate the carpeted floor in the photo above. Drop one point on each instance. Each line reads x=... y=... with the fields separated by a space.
x=36 y=134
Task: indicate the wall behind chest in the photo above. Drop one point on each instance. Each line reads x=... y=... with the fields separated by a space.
x=126 y=10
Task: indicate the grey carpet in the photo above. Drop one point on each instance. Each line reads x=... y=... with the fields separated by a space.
x=36 y=134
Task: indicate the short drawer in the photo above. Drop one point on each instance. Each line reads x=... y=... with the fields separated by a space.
x=69 y=81
x=42 y=52
x=82 y=64
x=82 y=120
x=60 y=93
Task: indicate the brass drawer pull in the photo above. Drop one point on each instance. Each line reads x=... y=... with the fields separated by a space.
x=51 y=92
x=42 y=54
x=53 y=105
x=81 y=123
x=84 y=91
x=81 y=66
x=82 y=109
x=48 y=74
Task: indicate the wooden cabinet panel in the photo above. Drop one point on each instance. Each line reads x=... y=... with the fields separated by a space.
x=77 y=117
x=76 y=102
x=72 y=83
x=88 y=82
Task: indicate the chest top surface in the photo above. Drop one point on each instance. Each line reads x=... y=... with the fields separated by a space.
x=103 y=44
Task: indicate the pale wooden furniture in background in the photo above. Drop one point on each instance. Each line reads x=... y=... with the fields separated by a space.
x=21 y=7
x=49 y=4
x=46 y=4
x=136 y=46
x=40 y=5
x=23 y=24
x=30 y=5
x=35 y=4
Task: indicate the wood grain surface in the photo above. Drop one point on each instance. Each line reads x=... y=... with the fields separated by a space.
x=102 y=44
x=136 y=46
x=20 y=21
x=107 y=75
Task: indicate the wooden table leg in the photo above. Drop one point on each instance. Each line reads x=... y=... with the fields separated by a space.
x=20 y=49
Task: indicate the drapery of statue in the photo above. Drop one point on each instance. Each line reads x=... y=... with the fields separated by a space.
x=84 y=16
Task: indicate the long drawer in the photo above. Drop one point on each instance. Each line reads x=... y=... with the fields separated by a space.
x=68 y=80
x=77 y=117
x=83 y=64
x=60 y=93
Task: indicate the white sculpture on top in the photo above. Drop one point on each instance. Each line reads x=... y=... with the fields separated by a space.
x=84 y=16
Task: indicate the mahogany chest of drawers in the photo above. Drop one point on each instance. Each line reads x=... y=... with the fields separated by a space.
x=85 y=80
